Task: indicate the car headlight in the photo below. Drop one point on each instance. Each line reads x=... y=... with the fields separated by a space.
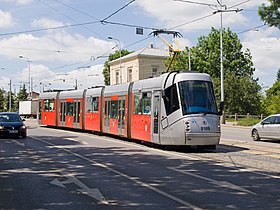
x=23 y=127
x=1 y=127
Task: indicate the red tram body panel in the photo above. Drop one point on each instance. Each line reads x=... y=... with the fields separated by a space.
x=93 y=109
x=116 y=110
x=71 y=109
x=48 y=109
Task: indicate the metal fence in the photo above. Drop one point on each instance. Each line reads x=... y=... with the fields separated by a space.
x=237 y=117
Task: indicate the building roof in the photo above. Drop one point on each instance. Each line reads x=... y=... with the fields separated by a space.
x=145 y=52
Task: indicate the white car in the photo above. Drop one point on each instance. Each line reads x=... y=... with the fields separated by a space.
x=269 y=128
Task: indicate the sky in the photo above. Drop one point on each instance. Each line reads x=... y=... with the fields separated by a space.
x=62 y=42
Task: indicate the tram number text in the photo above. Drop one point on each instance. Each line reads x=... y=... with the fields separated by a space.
x=205 y=128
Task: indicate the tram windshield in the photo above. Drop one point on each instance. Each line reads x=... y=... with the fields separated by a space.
x=197 y=97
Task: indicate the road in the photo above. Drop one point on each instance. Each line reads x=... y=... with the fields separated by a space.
x=236 y=133
x=58 y=169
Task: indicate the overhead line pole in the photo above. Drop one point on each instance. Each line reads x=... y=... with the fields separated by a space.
x=222 y=103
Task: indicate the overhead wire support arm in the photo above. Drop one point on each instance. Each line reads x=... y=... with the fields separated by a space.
x=171 y=48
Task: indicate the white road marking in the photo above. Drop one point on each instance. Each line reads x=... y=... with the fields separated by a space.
x=133 y=179
x=76 y=140
x=224 y=184
x=92 y=192
x=18 y=143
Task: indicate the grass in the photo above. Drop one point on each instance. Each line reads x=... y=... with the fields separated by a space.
x=248 y=121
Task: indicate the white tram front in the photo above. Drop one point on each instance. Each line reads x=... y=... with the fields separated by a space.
x=187 y=112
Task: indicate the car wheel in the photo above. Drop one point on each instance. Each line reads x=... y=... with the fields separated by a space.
x=255 y=135
x=24 y=136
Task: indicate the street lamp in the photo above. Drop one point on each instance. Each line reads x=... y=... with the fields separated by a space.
x=44 y=85
x=120 y=56
x=29 y=78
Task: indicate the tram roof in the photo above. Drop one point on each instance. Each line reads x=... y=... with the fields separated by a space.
x=71 y=94
x=116 y=89
x=48 y=95
x=96 y=91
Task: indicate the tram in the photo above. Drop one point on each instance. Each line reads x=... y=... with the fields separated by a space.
x=177 y=108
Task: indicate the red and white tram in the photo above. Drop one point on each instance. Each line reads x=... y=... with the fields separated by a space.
x=173 y=109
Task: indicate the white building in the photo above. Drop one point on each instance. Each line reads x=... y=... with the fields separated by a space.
x=142 y=64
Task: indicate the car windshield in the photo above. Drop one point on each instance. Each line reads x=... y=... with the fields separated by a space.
x=10 y=118
x=197 y=97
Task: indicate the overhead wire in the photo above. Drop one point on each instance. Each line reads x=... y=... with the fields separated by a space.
x=77 y=10
x=113 y=23
x=109 y=16
x=47 y=28
x=70 y=18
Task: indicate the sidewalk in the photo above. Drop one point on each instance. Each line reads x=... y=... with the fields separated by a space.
x=31 y=123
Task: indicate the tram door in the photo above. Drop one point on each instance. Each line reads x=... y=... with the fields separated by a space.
x=62 y=112
x=40 y=112
x=121 y=115
x=76 y=114
x=107 y=115
x=155 y=116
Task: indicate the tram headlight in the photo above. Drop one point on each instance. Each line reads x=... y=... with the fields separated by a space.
x=188 y=126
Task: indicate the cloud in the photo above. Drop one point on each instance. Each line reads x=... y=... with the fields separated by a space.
x=176 y=13
x=6 y=19
x=87 y=77
x=19 y=2
x=265 y=50
x=53 y=47
x=23 y=2
x=46 y=23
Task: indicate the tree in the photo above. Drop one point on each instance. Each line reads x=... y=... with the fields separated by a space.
x=22 y=94
x=272 y=100
x=206 y=55
x=278 y=75
x=242 y=92
x=180 y=63
x=271 y=14
x=2 y=100
x=14 y=104
x=106 y=69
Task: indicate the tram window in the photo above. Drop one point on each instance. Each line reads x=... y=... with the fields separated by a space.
x=70 y=108
x=89 y=105
x=114 y=109
x=92 y=104
x=137 y=103
x=146 y=97
x=142 y=103
x=51 y=107
x=48 y=105
x=171 y=101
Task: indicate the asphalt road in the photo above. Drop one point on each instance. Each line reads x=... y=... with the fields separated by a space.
x=57 y=169
x=236 y=133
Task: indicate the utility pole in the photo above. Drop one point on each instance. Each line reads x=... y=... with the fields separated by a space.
x=120 y=56
x=10 y=97
x=223 y=8
x=29 y=77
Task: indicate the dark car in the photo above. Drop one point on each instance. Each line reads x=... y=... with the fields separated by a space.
x=11 y=125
